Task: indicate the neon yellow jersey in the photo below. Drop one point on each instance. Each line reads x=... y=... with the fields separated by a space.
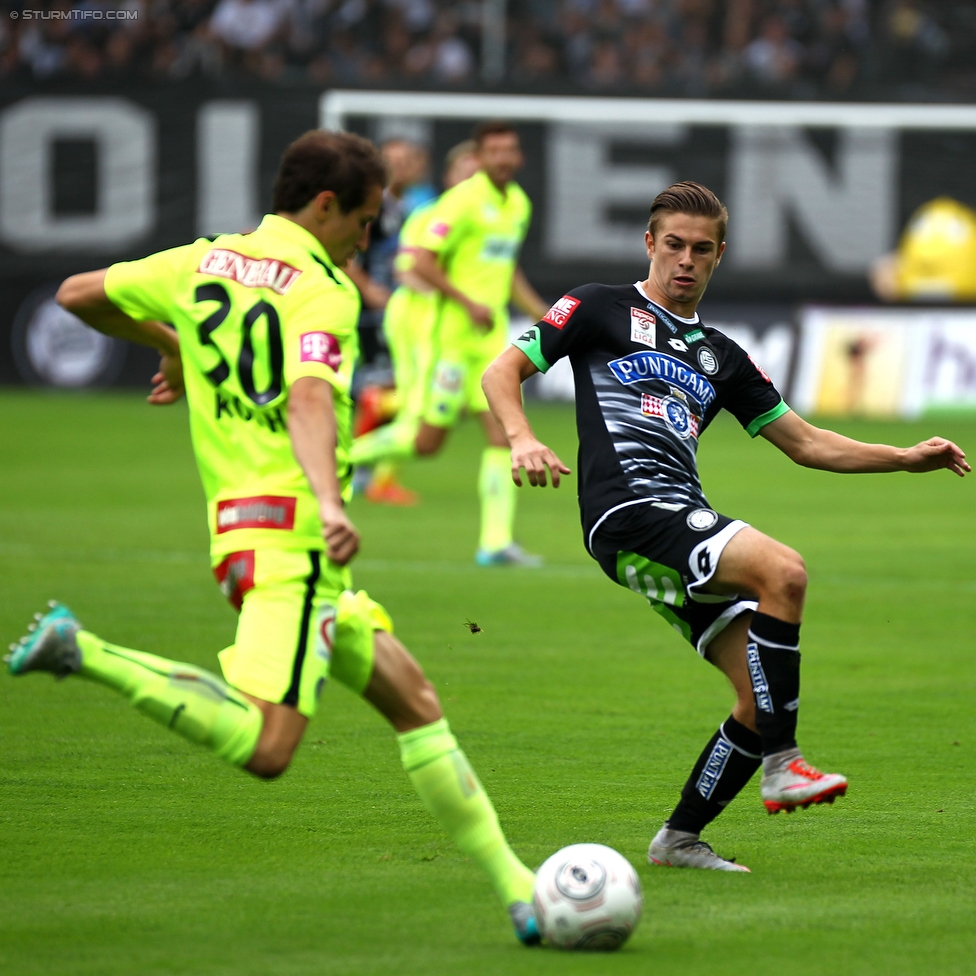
x=937 y=253
x=411 y=234
x=254 y=312
x=477 y=232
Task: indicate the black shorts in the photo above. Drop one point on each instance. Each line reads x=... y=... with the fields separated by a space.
x=668 y=555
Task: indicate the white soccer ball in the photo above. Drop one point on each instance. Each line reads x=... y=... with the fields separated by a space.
x=587 y=896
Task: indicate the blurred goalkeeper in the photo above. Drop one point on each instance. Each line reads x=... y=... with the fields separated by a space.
x=265 y=338
x=650 y=377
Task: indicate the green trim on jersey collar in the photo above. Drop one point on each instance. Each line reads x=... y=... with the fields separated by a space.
x=767 y=418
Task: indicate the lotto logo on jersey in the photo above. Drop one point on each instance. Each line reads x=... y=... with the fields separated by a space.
x=257 y=512
x=643 y=327
x=250 y=272
x=321 y=347
x=562 y=311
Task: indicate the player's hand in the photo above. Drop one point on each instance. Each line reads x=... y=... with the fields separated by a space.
x=341 y=537
x=481 y=315
x=168 y=382
x=936 y=453
x=535 y=457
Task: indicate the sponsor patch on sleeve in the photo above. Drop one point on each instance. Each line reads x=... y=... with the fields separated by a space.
x=321 y=347
x=762 y=372
x=562 y=311
x=440 y=229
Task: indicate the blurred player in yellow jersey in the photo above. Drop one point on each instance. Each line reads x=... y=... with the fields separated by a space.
x=468 y=254
x=409 y=323
x=936 y=257
x=263 y=334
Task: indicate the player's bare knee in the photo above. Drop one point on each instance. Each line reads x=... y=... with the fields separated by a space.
x=426 y=704
x=783 y=578
x=794 y=578
x=420 y=697
x=269 y=763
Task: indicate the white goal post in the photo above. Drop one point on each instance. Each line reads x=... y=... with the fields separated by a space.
x=337 y=106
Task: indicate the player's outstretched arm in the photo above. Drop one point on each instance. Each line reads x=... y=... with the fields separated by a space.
x=502 y=383
x=827 y=450
x=84 y=295
x=312 y=429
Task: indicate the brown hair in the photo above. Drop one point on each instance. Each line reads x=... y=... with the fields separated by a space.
x=494 y=127
x=689 y=198
x=347 y=164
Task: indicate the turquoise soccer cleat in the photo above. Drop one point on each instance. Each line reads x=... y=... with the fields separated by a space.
x=511 y=555
x=526 y=927
x=49 y=645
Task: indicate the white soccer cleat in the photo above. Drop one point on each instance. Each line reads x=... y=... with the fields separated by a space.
x=800 y=785
x=690 y=853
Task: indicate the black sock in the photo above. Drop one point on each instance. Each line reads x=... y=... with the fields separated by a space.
x=774 y=666
x=724 y=767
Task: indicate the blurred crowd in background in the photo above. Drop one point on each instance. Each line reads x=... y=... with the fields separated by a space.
x=897 y=49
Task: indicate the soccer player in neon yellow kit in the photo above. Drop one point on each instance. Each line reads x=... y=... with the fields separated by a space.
x=409 y=324
x=468 y=254
x=265 y=340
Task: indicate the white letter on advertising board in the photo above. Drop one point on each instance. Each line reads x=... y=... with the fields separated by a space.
x=847 y=219
x=584 y=184
x=228 y=138
x=125 y=208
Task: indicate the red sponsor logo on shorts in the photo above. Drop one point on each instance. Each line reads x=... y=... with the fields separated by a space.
x=440 y=229
x=257 y=512
x=321 y=347
x=236 y=576
x=562 y=311
x=250 y=272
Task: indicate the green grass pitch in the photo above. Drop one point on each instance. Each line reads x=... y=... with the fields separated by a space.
x=124 y=850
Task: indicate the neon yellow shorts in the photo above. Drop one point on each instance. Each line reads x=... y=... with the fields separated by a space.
x=463 y=355
x=299 y=622
x=408 y=325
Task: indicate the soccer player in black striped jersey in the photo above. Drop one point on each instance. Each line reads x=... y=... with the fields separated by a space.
x=650 y=378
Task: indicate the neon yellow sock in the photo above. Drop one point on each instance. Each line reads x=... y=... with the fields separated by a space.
x=453 y=795
x=391 y=442
x=384 y=471
x=193 y=702
x=497 y=492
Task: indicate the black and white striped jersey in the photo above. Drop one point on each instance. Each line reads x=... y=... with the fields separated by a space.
x=648 y=383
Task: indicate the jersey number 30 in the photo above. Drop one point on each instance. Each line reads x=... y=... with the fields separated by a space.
x=245 y=361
